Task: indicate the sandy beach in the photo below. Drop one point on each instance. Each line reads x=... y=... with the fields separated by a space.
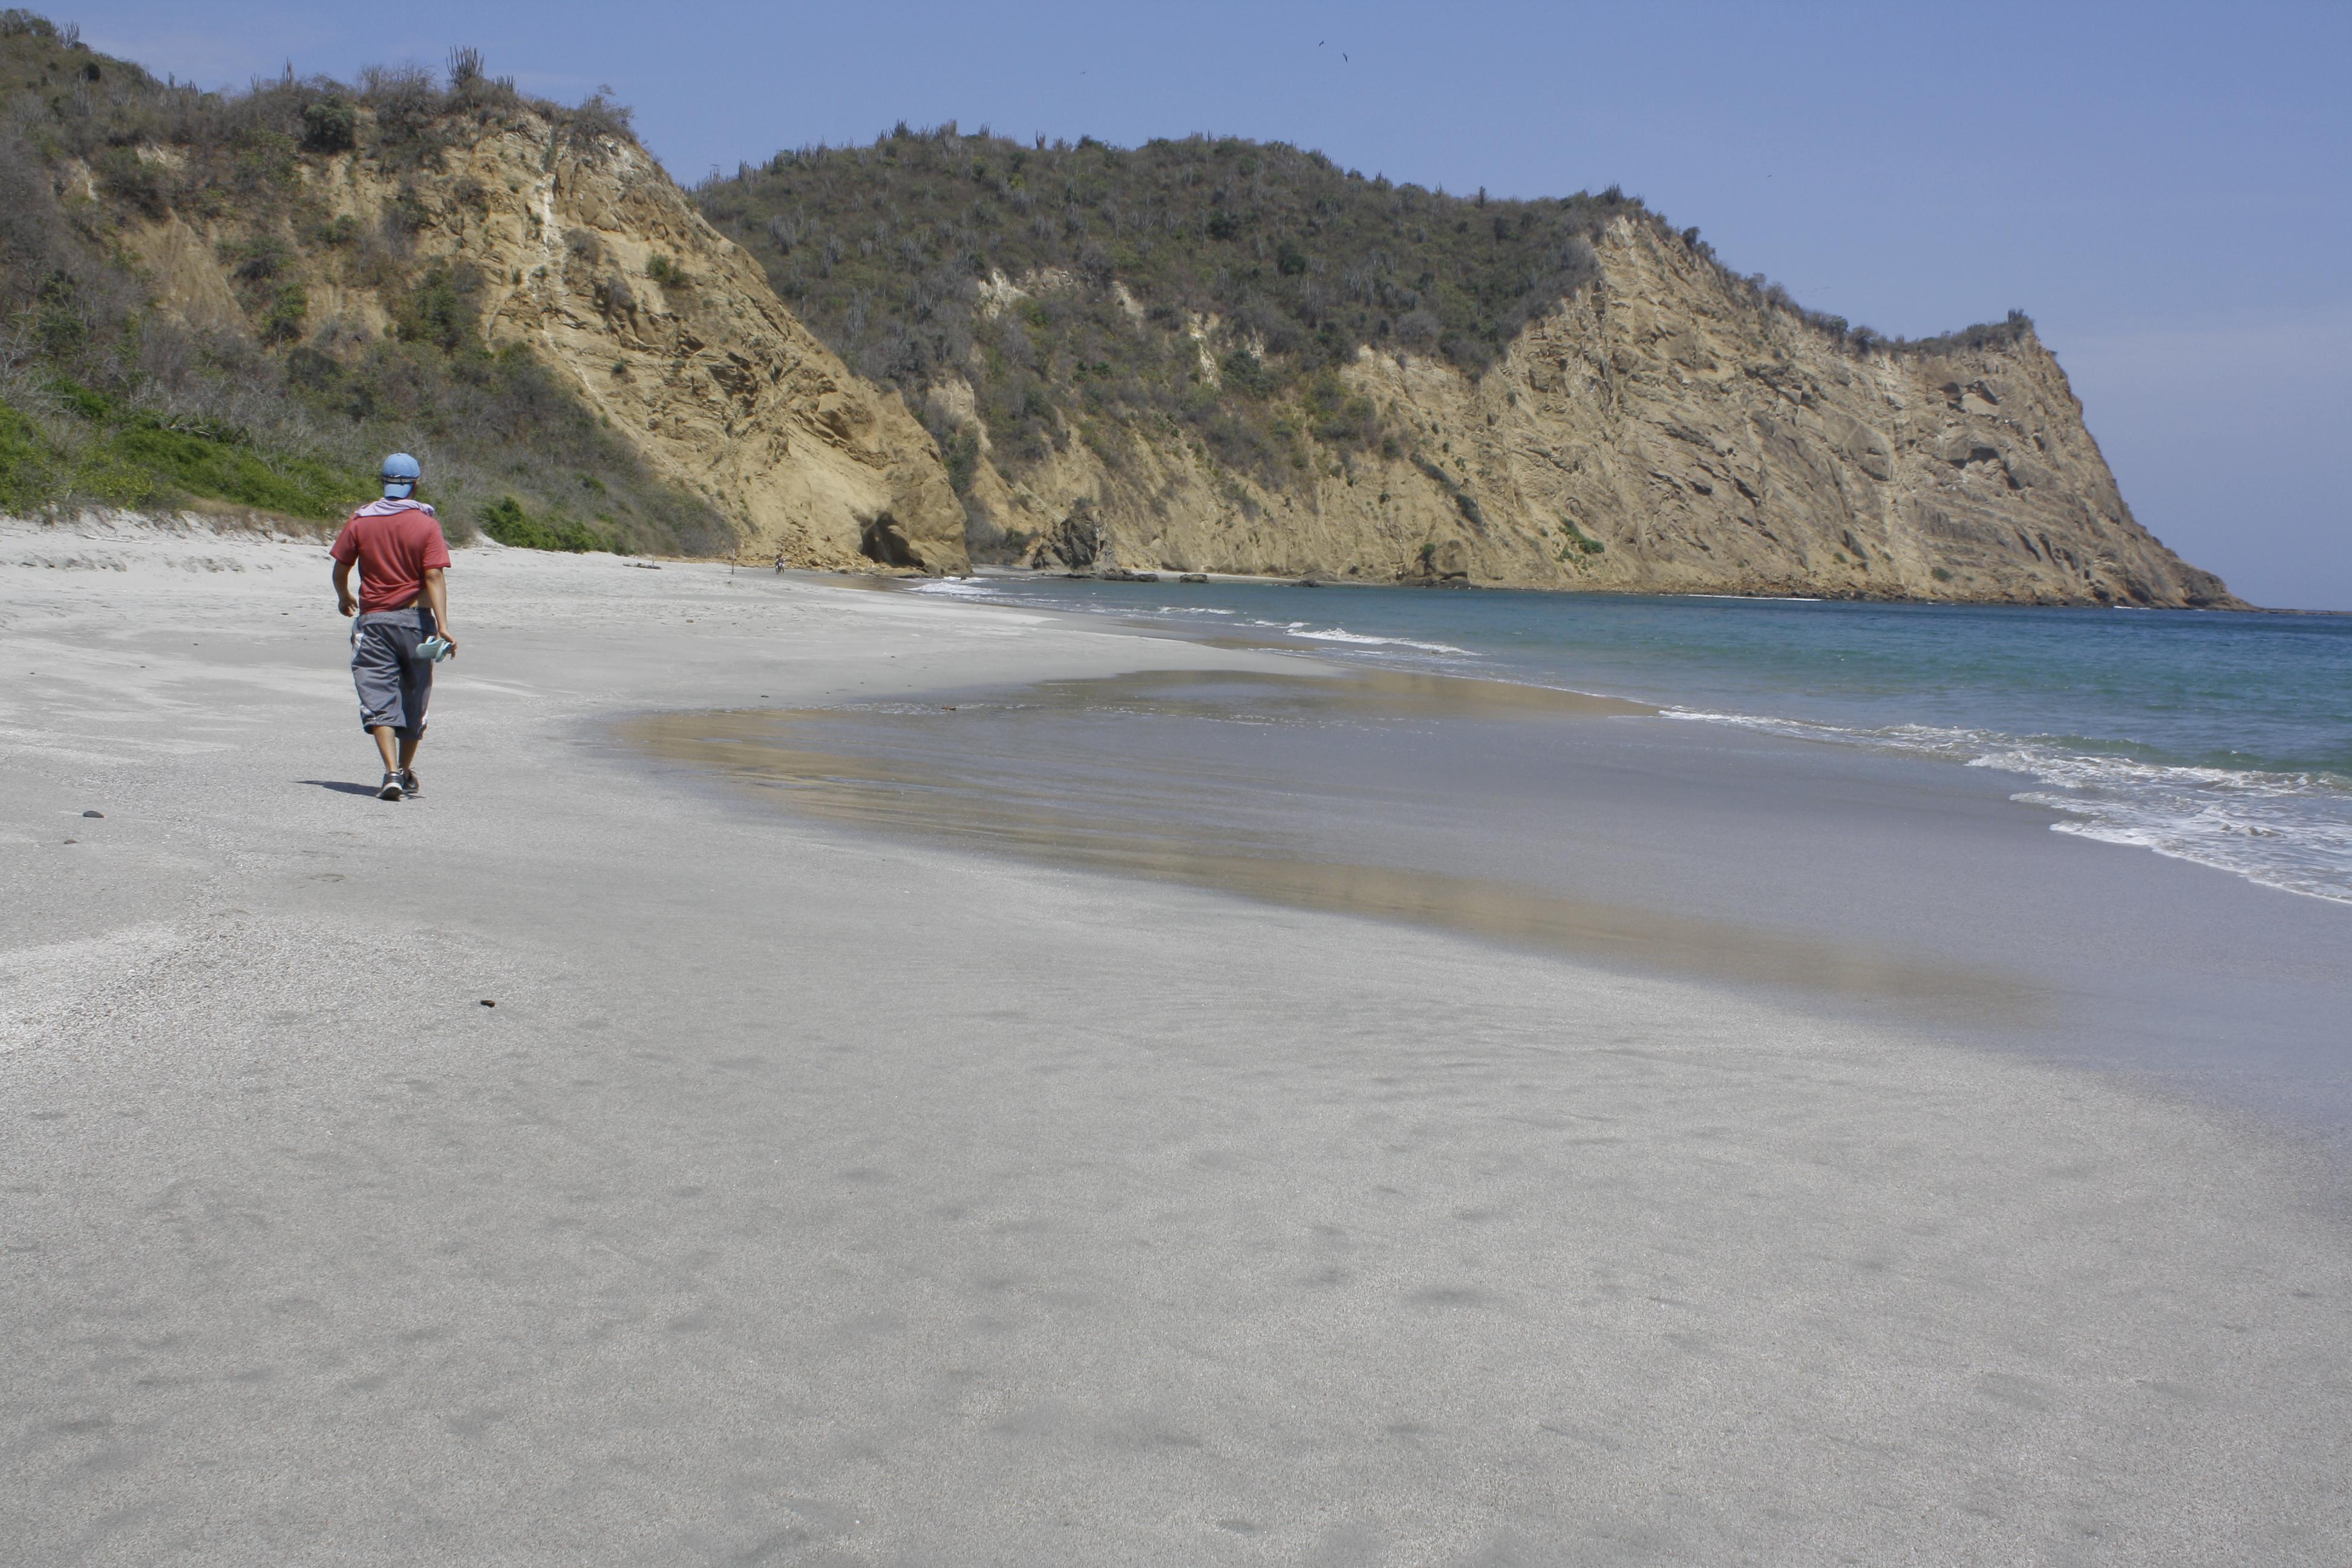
x=814 y=1196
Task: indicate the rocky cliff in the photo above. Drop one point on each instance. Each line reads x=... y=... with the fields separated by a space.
x=579 y=249
x=1666 y=429
x=1208 y=354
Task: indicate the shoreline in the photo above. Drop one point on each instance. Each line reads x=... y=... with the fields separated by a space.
x=811 y=1192
x=2048 y=949
x=2259 y=796
x=1168 y=574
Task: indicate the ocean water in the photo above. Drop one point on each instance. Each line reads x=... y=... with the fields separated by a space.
x=2225 y=740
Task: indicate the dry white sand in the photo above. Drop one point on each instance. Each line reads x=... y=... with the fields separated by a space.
x=808 y=1198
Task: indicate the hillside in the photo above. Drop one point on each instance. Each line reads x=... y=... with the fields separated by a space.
x=241 y=300
x=1219 y=355
x=1206 y=354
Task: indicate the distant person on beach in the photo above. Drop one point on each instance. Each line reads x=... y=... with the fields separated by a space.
x=403 y=629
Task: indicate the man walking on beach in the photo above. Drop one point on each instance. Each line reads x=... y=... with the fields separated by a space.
x=402 y=627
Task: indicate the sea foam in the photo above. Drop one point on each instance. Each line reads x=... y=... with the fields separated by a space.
x=1307 y=631
x=2289 y=831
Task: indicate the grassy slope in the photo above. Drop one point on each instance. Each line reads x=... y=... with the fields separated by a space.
x=103 y=399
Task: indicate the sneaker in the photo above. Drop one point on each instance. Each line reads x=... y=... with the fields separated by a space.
x=409 y=785
x=389 y=789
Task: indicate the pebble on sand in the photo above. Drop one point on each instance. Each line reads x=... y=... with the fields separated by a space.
x=93 y=814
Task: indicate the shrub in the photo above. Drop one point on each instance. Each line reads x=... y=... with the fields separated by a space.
x=1244 y=372
x=440 y=309
x=133 y=181
x=84 y=402
x=598 y=119
x=282 y=321
x=961 y=454
x=408 y=109
x=28 y=464
x=253 y=260
x=113 y=478
x=1419 y=330
x=306 y=367
x=330 y=125
x=505 y=520
x=264 y=162
x=224 y=465
x=1463 y=502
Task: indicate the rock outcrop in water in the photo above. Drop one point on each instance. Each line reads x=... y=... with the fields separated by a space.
x=1662 y=431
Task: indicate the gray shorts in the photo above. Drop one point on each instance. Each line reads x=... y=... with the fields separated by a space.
x=394 y=680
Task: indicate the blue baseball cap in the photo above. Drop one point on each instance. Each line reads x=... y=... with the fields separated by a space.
x=400 y=475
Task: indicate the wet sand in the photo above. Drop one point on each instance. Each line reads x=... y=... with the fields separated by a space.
x=1883 y=888
x=932 y=778
x=814 y=1195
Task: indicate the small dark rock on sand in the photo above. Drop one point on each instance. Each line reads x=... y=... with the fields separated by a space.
x=93 y=814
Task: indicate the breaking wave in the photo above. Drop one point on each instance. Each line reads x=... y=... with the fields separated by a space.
x=2289 y=831
x=1359 y=640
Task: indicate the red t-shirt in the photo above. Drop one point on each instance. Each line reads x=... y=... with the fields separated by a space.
x=395 y=543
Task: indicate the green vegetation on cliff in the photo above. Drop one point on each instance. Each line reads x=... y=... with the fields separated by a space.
x=107 y=396
x=1206 y=286
x=1209 y=286
x=879 y=247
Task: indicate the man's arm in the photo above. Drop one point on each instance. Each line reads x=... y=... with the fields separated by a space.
x=343 y=600
x=436 y=594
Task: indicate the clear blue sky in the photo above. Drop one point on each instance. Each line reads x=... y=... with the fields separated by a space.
x=2164 y=186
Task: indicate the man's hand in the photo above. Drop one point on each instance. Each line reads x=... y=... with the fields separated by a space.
x=437 y=599
x=345 y=604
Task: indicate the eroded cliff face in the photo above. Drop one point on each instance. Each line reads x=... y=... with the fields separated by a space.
x=1665 y=431
x=594 y=260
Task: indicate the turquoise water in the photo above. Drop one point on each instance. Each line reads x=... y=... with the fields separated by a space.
x=2220 y=739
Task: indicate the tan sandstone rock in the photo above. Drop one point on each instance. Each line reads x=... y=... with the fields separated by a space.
x=1664 y=430
x=700 y=368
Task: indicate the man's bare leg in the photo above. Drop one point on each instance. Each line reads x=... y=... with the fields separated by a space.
x=385 y=744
